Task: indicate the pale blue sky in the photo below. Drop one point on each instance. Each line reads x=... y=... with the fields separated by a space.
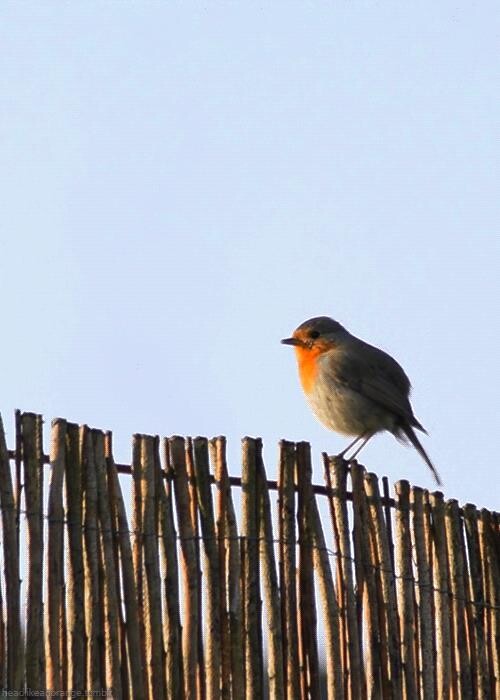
x=184 y=183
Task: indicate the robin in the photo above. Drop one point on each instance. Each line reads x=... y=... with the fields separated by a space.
x=353 y=387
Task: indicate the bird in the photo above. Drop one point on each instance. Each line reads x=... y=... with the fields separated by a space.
x=354 y=388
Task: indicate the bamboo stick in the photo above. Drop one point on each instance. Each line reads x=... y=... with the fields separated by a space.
x=134 y=646
x=173 y=630
x=14 y=670
x=111 y=603
x=307 y=606
x=456 y=567
x=287 y=540
x=227 y=527
x=3 y=641
x=488 y=539
x=113 y=513
x=193 y=508
x=331 y=613
x=76 y=603
x=138 y=551
x=55 y=559
x=18 y=459
x=217 y=458
x=152 y=597
x=441 y=598
x=213 y=612
x=189 y=567
x=251 y=571
x=405 y=590
x=336 y=474
x=366 y=581
x=92 y=556
x=31 y=427
x=425 y=619
x=476 y=593
x=270 y=586
x=388 y=585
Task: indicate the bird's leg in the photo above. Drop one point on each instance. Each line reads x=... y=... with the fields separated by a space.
x=368 y=437
x=360 y=437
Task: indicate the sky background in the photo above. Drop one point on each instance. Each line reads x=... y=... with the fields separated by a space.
x=184 y=183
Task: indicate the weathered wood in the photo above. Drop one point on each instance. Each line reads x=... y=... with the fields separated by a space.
x=14 y=671
x=217 y=458
x=55 y=558
x=96 y=674
x=475 y=592
x=3 y=641
x=287 y=544
x=76 y=575
x=172 y=616
x=424 y=589
x=456 y=568
x=251 y=571
x=307 y=605
x=405 y=590
x=441 y=597
x=110 y=600
x=31 y=428
x=130 y=597
x=336 y=471
x=229 y=551
x=212 y=612
x=189 y=566
x=439 y=637
x=113 y=514
x=366 y=582
x=138 y=550
x=270 y=586
x=331 y=614
x=152 y=593
x=383 y=563
x=193 y=508
x=488 y=539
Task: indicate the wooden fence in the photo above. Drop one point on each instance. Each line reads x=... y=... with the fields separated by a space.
x=215 y=589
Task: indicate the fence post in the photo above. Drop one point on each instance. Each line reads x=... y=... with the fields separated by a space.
x=189 y=566
x=111 y=622
x=55 y=559
x=135 y=649
x=366 y=582
x=308 y=644
x=477 y=611
x=270 y=584
x=173 y=630
x=213 y=613
x=456 y=565
x=227 y=528
x=287 y=538
x=425 y=617
x=406 y=590
x=441 y=597
x=251 y=571
x=31 y=430
x=336 y=478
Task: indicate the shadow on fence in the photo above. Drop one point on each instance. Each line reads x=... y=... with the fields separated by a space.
x=170 y=605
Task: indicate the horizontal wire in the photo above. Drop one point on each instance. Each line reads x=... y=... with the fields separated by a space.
x=274 y=541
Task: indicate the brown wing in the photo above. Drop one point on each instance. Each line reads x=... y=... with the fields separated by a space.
x=376 y=376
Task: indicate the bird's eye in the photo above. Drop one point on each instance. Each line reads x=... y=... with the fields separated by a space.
x=314 y=334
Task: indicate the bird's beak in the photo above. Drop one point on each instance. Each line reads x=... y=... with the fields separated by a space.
x=291 y=341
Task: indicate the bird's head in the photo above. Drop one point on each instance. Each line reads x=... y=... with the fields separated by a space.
x=317 y=335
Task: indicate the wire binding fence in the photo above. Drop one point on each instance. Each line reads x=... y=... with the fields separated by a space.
x=214 y=588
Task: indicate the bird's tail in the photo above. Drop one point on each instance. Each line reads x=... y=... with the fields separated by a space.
x=410 y=434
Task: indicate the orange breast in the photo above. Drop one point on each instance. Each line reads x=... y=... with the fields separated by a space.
x=308 y=366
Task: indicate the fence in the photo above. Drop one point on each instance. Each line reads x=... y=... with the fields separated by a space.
x=187 y=600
